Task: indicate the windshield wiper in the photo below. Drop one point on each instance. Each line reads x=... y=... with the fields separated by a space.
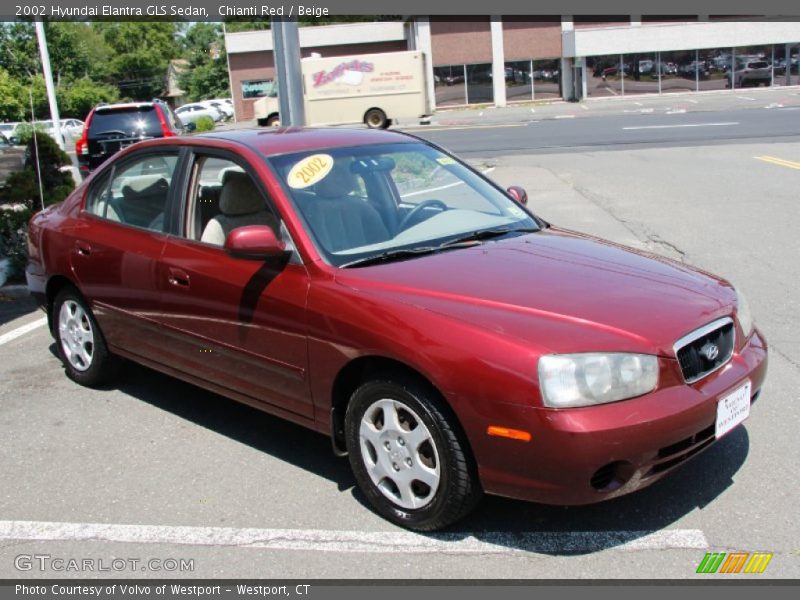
x=486 y=234
x=390 y=255
x=467 y=241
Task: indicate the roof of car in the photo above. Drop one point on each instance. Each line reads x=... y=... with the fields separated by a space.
x=123 y=105
x=281 y=140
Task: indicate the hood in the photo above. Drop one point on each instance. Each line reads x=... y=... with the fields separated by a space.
x=562 y=291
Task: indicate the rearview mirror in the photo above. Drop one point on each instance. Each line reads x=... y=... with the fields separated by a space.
x=518 y=193
x=255 y=242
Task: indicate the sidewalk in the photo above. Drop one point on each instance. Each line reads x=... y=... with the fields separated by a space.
x=723 y=100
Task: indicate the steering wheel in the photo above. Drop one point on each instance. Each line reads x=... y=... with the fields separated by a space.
x=417 y=209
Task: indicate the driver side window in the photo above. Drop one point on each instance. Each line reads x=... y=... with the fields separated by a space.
x=223 y=197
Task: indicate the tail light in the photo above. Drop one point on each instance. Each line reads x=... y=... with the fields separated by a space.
x=82 y=145
x=165 y=128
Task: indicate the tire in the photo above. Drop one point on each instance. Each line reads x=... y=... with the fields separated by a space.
x=261 y=122
x=272 y=121
x=80 y=343
x=375 y=118
x=408 y=455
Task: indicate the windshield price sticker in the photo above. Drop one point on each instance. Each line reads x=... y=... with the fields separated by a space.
x=445 y=160
x=312 y=169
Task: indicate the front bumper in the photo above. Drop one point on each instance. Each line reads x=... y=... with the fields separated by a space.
x=587 y=455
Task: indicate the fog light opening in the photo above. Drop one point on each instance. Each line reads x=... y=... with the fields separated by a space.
x=612 y=476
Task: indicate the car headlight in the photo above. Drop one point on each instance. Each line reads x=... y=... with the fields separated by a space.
x=743 y=313
x=570 y=380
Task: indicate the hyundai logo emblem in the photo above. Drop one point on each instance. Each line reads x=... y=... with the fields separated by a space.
x=710 y=351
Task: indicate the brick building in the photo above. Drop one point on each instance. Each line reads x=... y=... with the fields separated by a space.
x=499 y=60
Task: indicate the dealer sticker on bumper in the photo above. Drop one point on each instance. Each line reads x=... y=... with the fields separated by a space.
x=733 y=409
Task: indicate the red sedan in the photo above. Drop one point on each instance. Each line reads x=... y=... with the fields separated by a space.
x=370 y=286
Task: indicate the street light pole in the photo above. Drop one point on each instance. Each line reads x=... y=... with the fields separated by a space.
x=286 y=51
x=48 y=80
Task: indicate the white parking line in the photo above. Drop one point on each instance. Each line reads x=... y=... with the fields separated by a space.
x=358 y=541
x=682 y=125
x=20 y=331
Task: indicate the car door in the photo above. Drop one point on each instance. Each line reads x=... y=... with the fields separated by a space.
x=117 y=242
x=239 y=324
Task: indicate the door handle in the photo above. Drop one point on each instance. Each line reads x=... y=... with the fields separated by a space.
x=178 y=277
x=83 y=248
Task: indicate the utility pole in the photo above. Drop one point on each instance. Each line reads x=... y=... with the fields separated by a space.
x=48 y=80
x=286 y=51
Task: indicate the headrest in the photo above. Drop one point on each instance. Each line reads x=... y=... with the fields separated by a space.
x=141 y=184
x=339 y=182
x=223 y=173
x=239 y=195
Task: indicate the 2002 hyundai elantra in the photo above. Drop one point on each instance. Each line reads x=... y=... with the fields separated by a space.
x=372 y=287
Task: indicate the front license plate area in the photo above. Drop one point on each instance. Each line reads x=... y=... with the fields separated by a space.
x=733 y=409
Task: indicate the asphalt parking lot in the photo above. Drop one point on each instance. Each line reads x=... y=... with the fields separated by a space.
x=152 y=468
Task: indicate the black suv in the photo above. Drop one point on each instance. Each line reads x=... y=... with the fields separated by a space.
x=111 y=127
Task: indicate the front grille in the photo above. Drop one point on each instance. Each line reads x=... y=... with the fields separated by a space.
x=705 y=350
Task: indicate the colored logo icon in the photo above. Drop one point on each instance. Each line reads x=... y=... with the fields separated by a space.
x=734 y=562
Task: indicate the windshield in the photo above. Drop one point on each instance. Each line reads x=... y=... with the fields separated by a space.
x=381 y=200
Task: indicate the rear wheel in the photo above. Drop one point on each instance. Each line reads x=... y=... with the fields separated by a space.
x=375 y=118
x=272 y=121
x=407 y=455
x=80 y=342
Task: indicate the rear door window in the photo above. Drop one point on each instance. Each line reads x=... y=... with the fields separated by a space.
x=135 y=121
x=136 y=193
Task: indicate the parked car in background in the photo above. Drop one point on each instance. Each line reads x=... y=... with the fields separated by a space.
x=12 y=158
x=111 y=127
x=189 y=113
x=374 y=288
x=72 y=128
x=752 y=72
x=9 y=130
x=225 y=109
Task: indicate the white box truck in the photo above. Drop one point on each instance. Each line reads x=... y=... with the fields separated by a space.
x=374 y=89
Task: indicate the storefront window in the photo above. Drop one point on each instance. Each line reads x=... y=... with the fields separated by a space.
x=714 y=69
x=604 y=75
x=641 y=74
x=782 y=74
x=256 y=88
x=678 y=71
x=547 y=78
x=753 y=66
x=479 y=83
x=449 y=85
x=518 y=81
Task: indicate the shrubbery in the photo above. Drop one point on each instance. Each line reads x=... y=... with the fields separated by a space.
x=204 y=123
x=20 y=198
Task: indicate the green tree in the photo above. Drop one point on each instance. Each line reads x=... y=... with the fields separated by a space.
x=207 y=75
x=78 y=97
x=141 y=52
x=19 y=53
x=12 y=105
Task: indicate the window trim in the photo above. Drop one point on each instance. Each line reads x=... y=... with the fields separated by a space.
x=186 y=203
x=110 y=171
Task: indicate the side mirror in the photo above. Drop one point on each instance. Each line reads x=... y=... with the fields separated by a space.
x=518 y=193
x=190 y=126
x=254 y=241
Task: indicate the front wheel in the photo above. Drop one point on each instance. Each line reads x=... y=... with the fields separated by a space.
x=375 y=118
x=407 y=455
x=80 y=342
